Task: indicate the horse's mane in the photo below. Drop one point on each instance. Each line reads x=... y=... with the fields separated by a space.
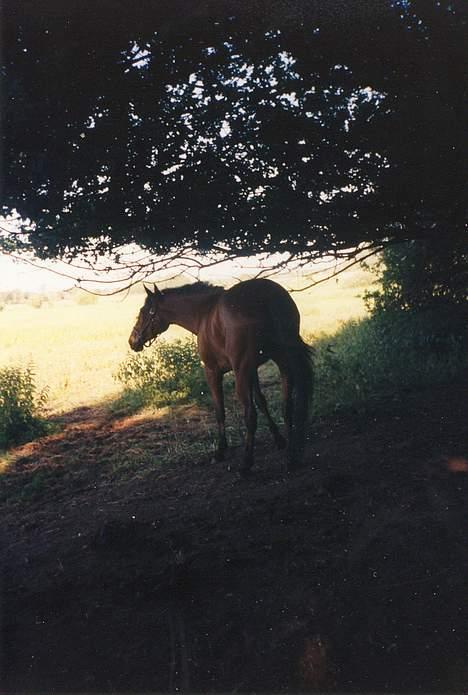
x=195 y=288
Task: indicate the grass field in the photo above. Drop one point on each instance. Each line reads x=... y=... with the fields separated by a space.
x=76 y=349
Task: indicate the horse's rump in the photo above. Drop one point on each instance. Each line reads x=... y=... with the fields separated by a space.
x=264 y=309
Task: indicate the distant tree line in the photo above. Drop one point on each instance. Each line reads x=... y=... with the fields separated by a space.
x=24 y=297
x=37 y=299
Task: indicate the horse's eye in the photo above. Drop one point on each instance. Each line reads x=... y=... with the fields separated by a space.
x=152 y=312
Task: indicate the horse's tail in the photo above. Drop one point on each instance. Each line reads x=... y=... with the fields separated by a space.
x=302 y=373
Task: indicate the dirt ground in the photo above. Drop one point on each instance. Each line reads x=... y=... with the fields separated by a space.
x=349 y=575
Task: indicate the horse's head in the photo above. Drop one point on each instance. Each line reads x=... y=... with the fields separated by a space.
x=150 y=322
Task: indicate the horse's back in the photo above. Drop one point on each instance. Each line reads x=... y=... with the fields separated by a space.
x=261 y=306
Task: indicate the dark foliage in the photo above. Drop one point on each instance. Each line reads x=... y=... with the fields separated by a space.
x=305 y=127
x=423 y=276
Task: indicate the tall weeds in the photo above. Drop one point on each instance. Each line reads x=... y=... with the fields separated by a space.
x=369 y=359
x=21 y=406
x=166 y=374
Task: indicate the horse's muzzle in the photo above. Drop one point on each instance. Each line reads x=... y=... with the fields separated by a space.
x=135 y=343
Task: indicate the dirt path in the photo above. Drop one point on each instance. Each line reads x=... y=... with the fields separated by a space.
x=349 y=575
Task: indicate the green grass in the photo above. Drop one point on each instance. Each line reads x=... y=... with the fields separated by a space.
x=75 y=348
x=369 y=359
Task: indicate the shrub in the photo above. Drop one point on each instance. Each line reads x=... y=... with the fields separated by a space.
x=20 y=406
x=421 y=276
x=165 y=374
x=382 y=354
x=415 y=333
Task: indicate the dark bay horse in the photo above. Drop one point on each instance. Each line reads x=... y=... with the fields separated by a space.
x=239 y=329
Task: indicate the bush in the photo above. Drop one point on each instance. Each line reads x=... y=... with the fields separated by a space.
x=20 y=406
x=421 y=276
x=165 y=374
x=382 y=354
x=415 y=333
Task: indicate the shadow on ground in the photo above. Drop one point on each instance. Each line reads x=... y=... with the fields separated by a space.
x=130 y=562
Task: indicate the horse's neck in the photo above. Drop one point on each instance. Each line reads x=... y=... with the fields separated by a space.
x=187 y=311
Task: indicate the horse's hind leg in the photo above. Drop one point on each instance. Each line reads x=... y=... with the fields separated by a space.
x=262 y=404
x=295 y=406
x=290 y=414
x=245 y=382
x=287 y=386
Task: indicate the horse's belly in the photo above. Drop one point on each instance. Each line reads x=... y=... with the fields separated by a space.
x=224 y=364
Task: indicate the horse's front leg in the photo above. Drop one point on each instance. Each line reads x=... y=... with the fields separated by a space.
x=214 y=377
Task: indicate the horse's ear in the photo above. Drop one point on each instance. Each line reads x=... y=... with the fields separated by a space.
x=156 y=291
x=148 y=291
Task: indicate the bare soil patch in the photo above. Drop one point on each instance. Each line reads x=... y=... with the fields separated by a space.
x=348 y=575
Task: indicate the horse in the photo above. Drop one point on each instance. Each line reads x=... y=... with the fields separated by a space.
x=240 y=329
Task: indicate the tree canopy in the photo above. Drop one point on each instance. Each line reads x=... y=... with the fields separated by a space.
x=307 y=127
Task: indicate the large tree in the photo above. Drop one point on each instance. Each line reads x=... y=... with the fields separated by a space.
x=308 y=127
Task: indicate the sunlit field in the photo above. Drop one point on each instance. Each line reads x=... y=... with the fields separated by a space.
x=76 y=349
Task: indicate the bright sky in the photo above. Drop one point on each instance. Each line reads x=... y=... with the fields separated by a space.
x=16 y=275
x=21 y=275
x=57 y=275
